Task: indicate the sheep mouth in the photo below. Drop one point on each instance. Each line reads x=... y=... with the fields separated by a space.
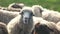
x=26 y=21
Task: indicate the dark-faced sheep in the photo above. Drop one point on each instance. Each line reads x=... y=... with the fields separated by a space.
x=6 y=16
x=49 y=15
x=22 y=24
x=15 y=7
x=41 y=29
x=3 y=28
x=44 y=27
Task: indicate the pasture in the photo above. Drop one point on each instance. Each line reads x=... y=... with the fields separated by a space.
x=49 y=4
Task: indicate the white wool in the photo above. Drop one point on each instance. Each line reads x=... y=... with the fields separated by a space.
x=49 y=15
x=42 y=21
x=58 y=26
x=51 y=25
x=16 y=24
x=37 y=6
x=25 y=8
x=12 y=23
x=36 y=10
x=6 y=16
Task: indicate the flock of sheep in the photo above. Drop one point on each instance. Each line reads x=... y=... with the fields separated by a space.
x=20 y=19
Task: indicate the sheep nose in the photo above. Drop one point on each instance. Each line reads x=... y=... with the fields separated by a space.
x=26 y=20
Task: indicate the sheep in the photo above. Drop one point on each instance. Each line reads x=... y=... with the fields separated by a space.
x=49 y=15
x=6 y=16
x=41 y=29
x=15 y=7
x=49 y=27
x=23 y=23
x=3 y=28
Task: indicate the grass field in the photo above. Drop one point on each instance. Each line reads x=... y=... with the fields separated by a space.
x=50 y=4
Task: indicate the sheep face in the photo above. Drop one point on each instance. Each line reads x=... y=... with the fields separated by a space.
x=26 y=15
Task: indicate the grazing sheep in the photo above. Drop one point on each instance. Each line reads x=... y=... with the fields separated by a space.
x=6 y=16
x=45 y=27
x=46 y=14
x=42 y=29
x=15 y=7
x=3 y=28
x=22 y=24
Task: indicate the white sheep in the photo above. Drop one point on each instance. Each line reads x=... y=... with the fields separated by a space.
x=51 y=15
x=13 y=25
x=46 y=14
x=6 y=16
x=15 y=7
x=20 y=25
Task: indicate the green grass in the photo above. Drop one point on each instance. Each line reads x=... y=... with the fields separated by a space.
x=50 y=4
